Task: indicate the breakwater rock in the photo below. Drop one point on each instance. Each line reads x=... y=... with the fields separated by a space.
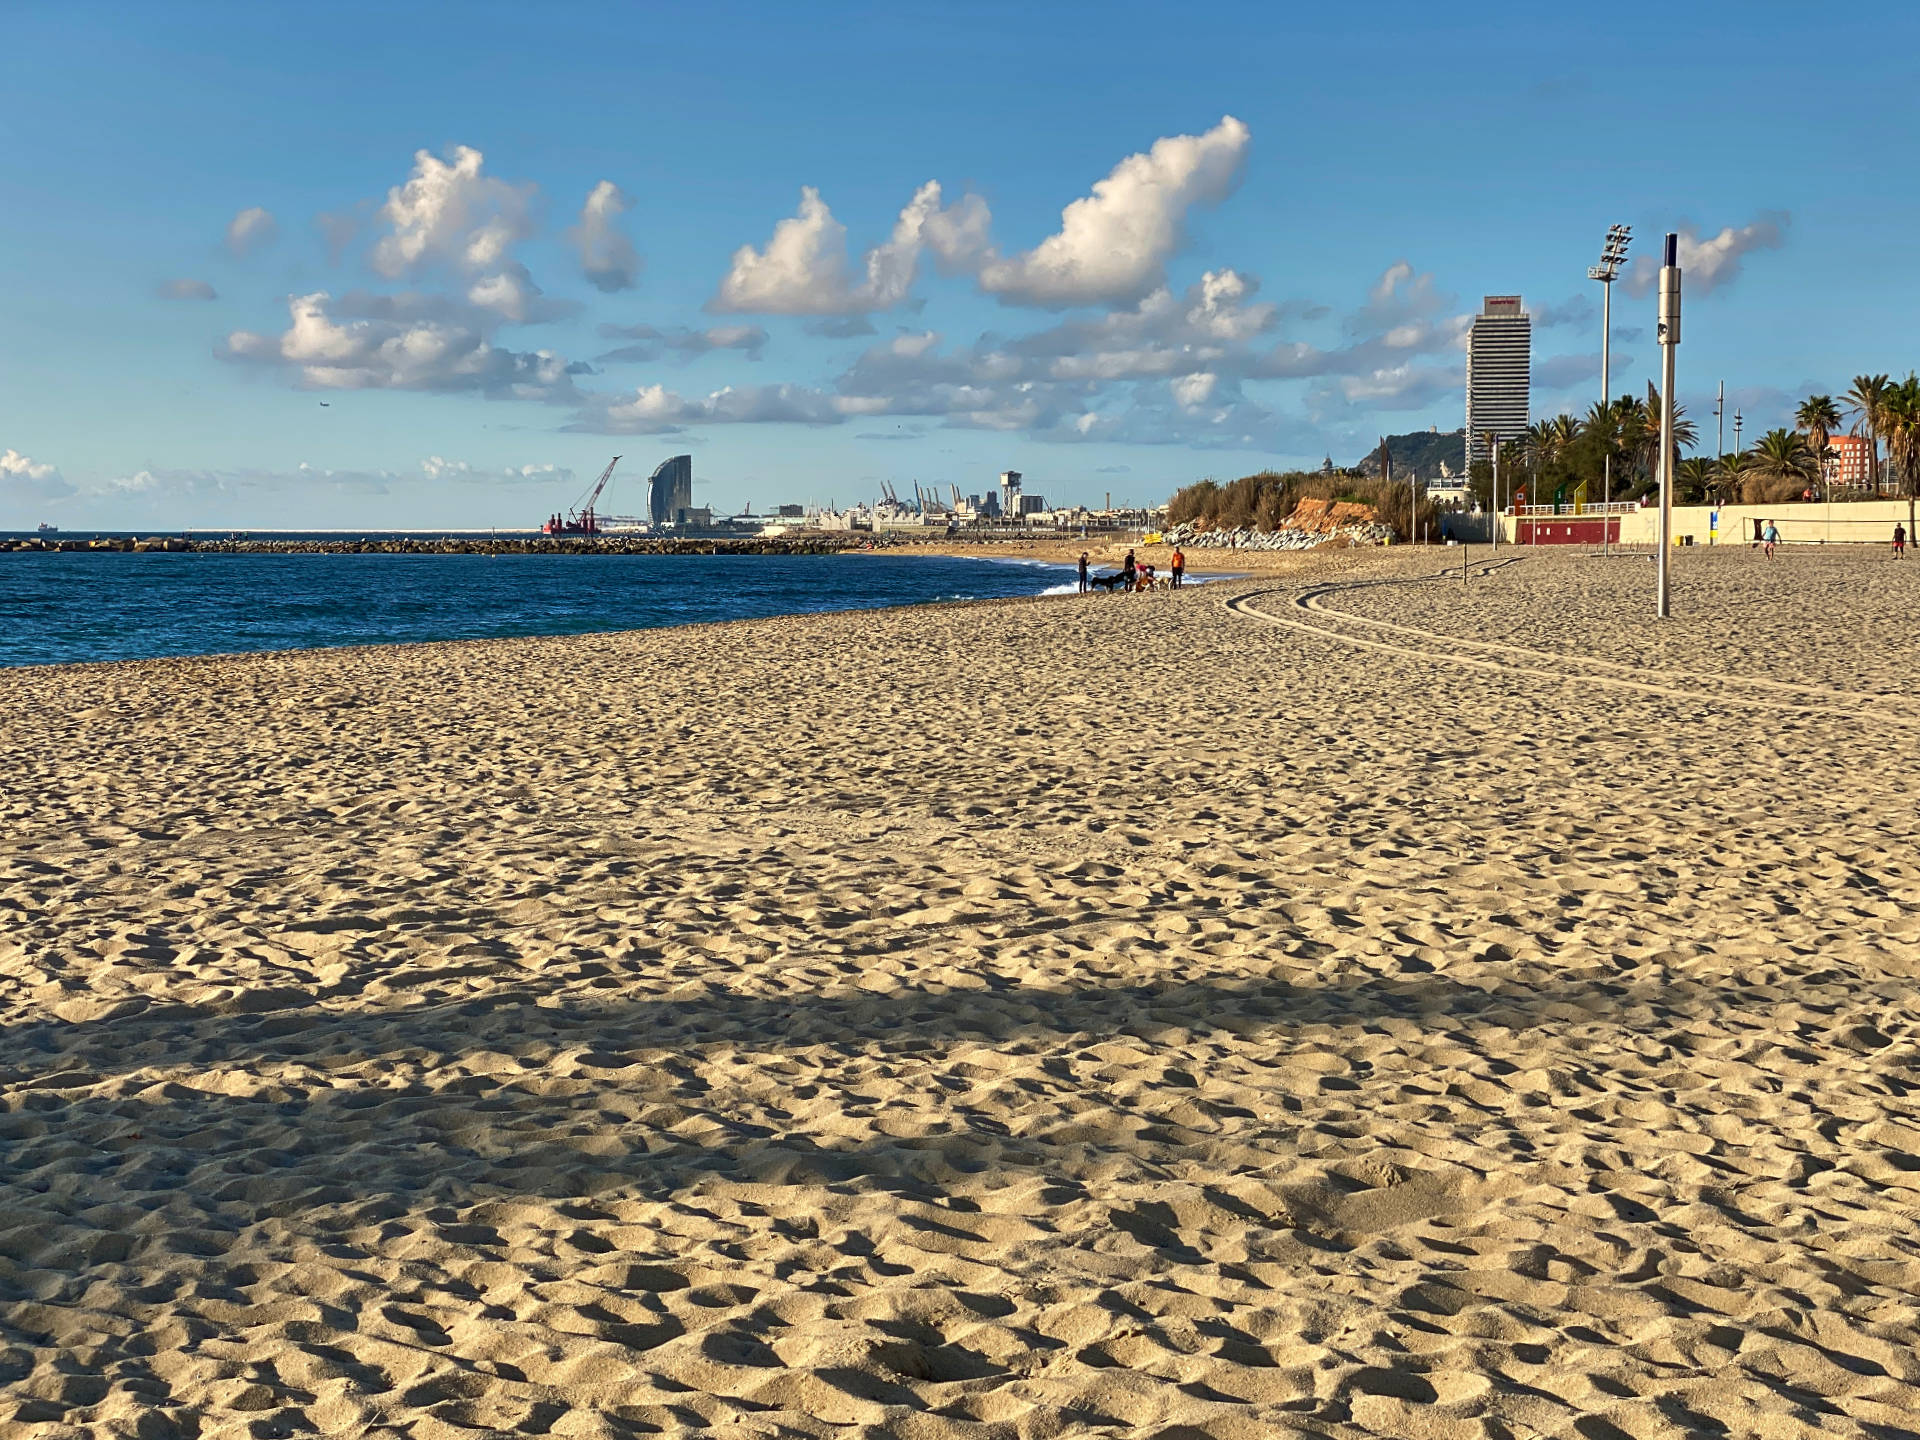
x=1285 y=538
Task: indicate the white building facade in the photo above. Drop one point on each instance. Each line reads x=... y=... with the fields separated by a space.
x=1499 y=374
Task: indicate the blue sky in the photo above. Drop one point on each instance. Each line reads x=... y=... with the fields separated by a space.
x=504 y=242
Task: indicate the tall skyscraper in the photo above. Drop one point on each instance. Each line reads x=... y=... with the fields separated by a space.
x=1499 y=372
x=670 y=491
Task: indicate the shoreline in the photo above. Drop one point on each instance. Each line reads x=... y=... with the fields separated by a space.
x=1106 y=553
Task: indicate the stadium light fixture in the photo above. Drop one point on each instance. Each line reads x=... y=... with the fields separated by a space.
x=1613 y=254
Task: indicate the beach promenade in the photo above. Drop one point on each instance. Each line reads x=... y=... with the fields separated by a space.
x=1377 y=1006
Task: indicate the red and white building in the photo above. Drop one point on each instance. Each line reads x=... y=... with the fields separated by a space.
x=1849 y=462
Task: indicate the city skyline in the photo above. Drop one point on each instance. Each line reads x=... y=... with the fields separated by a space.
x=264 y=285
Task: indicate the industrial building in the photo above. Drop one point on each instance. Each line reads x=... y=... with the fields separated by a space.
x=1499 y=374
x=1013 y=504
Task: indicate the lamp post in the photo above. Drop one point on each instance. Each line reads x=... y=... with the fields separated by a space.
x=1720 y=420
x=1613 y=254
x=1669 y=337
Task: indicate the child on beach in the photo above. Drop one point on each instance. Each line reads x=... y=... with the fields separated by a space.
x=1769 y=538
x=1899 y=542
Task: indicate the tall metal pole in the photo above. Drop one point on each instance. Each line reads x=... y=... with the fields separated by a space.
x=1613 y=255
x=1606 y=394
x=1669 y=336
x=1720 y=415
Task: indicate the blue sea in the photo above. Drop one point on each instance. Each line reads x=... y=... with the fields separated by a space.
x=60 y=608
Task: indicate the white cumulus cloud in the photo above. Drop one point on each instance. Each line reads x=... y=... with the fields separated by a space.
x=1399 y=301
x=805 y=270
x=607 y=256
x=1706 y=263
x=400 y=351
x=1113 y=245
x=448 y=210
x=23 y=476
x=452 y=214
x=1193 y=391
x=252 y=229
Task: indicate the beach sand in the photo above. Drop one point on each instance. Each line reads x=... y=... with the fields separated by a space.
x=1397 y=1007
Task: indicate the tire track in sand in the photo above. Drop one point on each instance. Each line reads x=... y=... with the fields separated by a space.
x=1547 y=665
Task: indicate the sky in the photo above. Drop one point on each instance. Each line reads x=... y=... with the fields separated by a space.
x=365 y=265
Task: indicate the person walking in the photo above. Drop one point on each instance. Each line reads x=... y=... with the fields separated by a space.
x=1179 y=566
x=1769 y=537
x=1085 y=583
x=1899 y=542
x=1129 y=570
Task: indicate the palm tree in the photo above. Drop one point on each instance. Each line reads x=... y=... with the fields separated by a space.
x=1780 y=463
x=1647 y=442
x=1819 y=417
x=1513 y=460
x=1730 y=475
x=1693 y=481
x=1602 y=427
x=1630 y=419
x=1866 y=397
x=1540 y=449
x=1547 y=443
x=1900 y=423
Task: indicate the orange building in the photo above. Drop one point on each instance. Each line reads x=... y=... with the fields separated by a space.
x=1849 y=462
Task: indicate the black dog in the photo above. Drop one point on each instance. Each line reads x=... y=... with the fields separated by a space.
x=1109 y=583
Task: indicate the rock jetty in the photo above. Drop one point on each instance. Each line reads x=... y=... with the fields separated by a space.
x=1313 y=523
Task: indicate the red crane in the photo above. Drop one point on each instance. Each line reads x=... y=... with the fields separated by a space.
x=581 y=519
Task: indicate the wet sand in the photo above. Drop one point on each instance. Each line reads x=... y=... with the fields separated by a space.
x=1378 y=1005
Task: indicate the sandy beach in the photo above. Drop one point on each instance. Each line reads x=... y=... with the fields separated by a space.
x=1341 y=1001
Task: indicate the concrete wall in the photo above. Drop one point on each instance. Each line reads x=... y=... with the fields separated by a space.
x=1856 y=522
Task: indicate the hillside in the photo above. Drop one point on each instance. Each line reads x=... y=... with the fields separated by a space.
x=1421 y=453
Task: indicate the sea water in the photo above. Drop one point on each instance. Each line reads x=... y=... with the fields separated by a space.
x=63 y=607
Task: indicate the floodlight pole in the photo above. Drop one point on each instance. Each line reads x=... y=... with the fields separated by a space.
x=1606 y=381
x=1669 y=336
x=1612 y=255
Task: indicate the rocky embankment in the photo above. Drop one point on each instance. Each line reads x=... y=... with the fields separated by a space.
x=1313 y=523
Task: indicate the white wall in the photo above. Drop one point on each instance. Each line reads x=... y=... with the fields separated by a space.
x=1846 y=522
x=1857 y=522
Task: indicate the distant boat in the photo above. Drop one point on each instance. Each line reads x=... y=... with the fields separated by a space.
x=46 y=529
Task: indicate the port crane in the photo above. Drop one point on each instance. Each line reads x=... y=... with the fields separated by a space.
x=582 y=519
